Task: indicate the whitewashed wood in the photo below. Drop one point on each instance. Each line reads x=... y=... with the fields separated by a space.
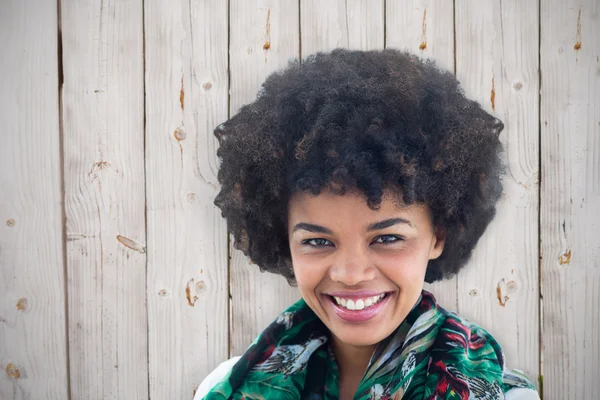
x=264 y=37
x=497 y=52
x=186 y=97
x=570 y=208
x=103 y=130
x=33 y=345
x=353 y=24
x=425 y=28
x=256 y=300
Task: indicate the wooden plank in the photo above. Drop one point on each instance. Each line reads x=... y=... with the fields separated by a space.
x=354 y=24
x=497 y=63
x=425 y=28
x=264 y=37
x=186 y=97
x=570 y=195
x=256 y=300
x=103 y=121
x=33 y=345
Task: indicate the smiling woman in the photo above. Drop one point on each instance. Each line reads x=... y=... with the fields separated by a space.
x=365 y=271
x=359 y=176
x=378 y=257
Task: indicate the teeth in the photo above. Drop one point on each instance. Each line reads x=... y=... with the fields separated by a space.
x=359 y=304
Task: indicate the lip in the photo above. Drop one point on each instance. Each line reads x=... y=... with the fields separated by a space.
x=357 y=315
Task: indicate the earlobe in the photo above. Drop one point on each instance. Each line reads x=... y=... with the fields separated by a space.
x=437 y=245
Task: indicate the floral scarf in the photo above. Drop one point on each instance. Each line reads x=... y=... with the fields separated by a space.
x=433 y=354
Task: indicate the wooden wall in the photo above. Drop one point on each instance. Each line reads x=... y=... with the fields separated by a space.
x=117 y=278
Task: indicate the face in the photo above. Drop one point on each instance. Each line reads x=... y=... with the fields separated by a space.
x=360 y=270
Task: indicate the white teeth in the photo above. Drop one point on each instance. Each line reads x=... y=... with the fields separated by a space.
x=359 y=304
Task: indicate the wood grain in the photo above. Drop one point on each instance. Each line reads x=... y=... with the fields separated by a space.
x=497 y=64
x=33 y=344
x=353 y=24
x=570 y=198
x=103 y=131
x=425 y=28
x=264 y=37
x=186 y=97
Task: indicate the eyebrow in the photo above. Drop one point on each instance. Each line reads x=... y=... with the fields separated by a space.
x=311 y=228
x=373 y=227
x=387 y=223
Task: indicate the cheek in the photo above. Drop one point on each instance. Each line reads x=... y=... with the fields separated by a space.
x=406 y=265
x=308 y=272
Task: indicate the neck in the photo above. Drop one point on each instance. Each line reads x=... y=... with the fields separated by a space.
x=352 y=360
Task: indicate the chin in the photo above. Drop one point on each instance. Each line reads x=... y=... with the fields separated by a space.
x=360 y=337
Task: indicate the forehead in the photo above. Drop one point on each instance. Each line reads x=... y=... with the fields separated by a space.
x=349 y=208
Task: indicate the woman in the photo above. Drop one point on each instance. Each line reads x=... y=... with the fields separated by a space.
x=359 y=176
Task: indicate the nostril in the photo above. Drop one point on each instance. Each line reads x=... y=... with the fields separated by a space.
x=352 y=274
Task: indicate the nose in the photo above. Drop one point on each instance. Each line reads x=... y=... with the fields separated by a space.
x=352 y=266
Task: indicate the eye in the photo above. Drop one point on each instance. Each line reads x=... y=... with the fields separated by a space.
x=388 y=239
x=318 y=242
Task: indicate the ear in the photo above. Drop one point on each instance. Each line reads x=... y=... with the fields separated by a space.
x=437 y=244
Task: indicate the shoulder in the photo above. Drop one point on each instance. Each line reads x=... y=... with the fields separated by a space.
x=521 y=394
x=479 y=344
x=215 y=377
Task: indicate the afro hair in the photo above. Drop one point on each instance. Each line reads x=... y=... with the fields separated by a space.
x=367 y=121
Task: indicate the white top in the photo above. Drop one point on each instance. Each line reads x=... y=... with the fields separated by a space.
x=214 y=377
x=223 y=369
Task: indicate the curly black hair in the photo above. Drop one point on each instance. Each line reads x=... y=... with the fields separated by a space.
x=367 y=121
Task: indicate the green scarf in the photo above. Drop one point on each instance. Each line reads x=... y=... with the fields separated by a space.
x=433 y=354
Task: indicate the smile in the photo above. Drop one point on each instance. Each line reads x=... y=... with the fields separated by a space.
x=358 y=308
x=358 y=304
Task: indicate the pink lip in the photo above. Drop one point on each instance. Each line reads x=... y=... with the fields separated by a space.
x=357 y=315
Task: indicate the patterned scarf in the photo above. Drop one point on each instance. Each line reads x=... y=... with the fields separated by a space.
x=433 y=354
